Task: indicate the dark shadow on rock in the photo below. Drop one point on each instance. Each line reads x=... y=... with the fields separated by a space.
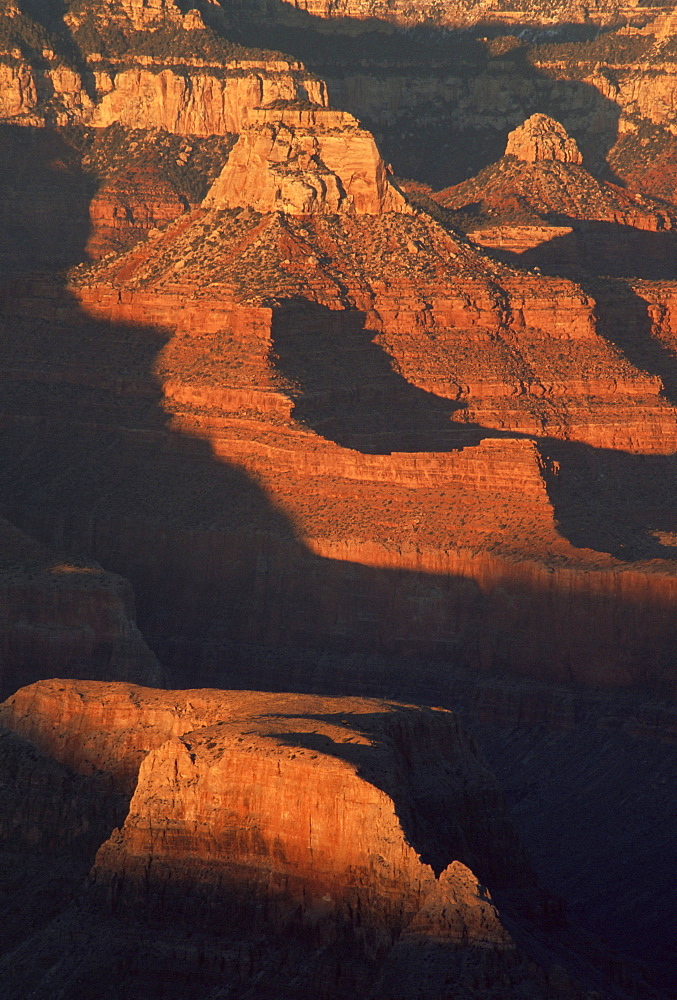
x=346 y=388
x=443 y=818
x=624 y=319
x=603 y=257
x=612 y=501
x=448 y=132
x=89 y=462
x=605 y=249
x=44 y=202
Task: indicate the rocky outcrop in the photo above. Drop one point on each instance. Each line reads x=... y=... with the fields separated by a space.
x=305 y=161
x=18 y=92
x=546 y=195
x=542 y=138
x=113 y=730
x=461 y=13
x=65 y=618
x=439 y=124
x=287 y=805
x=344 y=824
x=408 y=351
x=141 y=14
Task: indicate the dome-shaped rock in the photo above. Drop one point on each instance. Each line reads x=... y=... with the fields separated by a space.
x=542 y=138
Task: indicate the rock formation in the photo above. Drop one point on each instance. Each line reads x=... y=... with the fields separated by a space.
x=461 y=13
x=334 y=446
x=535 y=185
x=131 y=68
x=542 y=138
x=304 y=161
x=385 y=354
x=336 y=821
x=208 y=103
x=65 y=617
x=274 y=806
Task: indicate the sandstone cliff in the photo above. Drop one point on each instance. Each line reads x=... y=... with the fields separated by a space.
x=542 y=138
x=390 y=361
x=202 y=103
x=304 y=822
x=140 y=65
x=287 y=820
x=304 y=161
x=110 y=730
x=465 y=12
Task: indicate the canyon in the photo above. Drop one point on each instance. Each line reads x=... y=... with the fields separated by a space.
x=298 y=441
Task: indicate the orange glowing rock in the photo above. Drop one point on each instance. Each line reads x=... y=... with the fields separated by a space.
x=305 y=161
x=338 y=813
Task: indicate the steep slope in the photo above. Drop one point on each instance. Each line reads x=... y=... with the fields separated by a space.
x=139 y=66
x=541 y=179
x=336 y=447
x=296 y=821
x=540 y=202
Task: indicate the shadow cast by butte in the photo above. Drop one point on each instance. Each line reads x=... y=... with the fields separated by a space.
x=233 y=585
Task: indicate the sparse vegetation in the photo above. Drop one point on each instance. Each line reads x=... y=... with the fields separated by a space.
x=190 y=164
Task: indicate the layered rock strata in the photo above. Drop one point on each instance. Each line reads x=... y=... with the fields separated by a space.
x=541 y=180
x=461 y=13
x=336 y=823
x=240 y=352
x=538 y=209
x=112 y=730
x=304 y=161
x=203 y=103
x=389 y=394
x=278 y=807
x=542 y=138
x=139 y=65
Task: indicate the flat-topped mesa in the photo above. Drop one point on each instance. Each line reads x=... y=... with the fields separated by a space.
x=542 y=138
x=305 y=159
x=340 y=812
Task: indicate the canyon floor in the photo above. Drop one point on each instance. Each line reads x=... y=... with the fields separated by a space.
x=338 y=586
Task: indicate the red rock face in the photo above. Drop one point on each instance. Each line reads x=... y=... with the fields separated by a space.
x=532 y=193
x=291 y=810
x=250 y=813
x=488 y=456
x=305 y=162
x=542 y=138
x=343 y=824
x=448 y=411
x=124 y=209
x=112 y=730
